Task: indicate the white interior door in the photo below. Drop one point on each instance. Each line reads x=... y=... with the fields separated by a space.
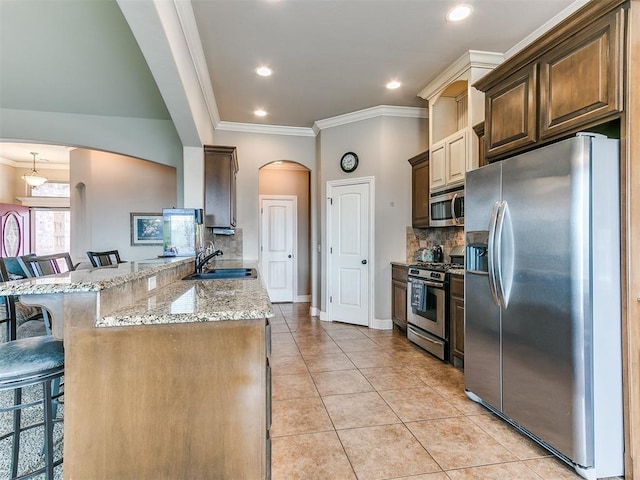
x=349 y=255
x=278 y=259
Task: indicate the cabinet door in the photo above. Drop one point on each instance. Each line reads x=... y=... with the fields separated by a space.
x=420 y=193
x=457 y=320
x=581 y=79
x=399 y=296
x=510 y=108
x=457 y=157
x=220 y=167
x=437 y=165
x=457 y=324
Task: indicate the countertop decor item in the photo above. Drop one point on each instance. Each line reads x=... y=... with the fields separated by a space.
x=349 y=162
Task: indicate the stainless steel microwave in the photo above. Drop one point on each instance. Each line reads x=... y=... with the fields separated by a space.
x=446 y=207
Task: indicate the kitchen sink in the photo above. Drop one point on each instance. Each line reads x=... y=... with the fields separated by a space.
x=223 y=273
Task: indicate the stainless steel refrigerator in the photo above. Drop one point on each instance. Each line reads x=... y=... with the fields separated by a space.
x=542 y=298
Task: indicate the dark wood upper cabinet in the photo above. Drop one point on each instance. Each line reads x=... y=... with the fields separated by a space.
x=568 y=80
x=580 y=80
x=220 y=169
x=420 y=190
x=510 y=112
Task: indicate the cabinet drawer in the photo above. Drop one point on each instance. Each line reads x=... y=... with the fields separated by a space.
x=399 y=273
x=457 y=285
x=511 y=113
x=581 y=79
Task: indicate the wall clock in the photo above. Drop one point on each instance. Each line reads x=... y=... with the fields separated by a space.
x=349 y=162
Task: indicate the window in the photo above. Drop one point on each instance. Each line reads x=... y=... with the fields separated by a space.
x=50 y=226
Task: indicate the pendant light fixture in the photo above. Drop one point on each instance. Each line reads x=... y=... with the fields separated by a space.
x=34 y=178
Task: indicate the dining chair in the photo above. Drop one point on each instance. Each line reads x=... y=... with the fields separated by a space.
x=102 y=259
x=39 y=265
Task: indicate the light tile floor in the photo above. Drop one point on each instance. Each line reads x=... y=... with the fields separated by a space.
x=355 y=403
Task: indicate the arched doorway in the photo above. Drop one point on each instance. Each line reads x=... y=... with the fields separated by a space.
x=285 y=193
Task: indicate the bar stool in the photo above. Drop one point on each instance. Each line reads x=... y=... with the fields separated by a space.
x=26 y=362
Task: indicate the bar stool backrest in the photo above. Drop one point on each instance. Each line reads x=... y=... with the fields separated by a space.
x=39 y=265
x=102 y=259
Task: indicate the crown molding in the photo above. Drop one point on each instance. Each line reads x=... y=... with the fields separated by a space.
x=468 y=60
x=40 y=165
x=367 y=113
x=266 y=129
x=538 y=32
x=187 y=21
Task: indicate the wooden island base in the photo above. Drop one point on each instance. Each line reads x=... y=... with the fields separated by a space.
x=180 y=401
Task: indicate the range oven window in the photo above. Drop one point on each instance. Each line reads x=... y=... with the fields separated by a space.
x=428 y=308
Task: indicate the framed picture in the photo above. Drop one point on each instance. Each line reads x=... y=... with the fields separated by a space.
x=146 y=229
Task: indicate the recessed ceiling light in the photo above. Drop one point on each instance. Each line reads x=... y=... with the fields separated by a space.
x=264 y=71
x=260 y=113
x=393 y=85
x=459 y=12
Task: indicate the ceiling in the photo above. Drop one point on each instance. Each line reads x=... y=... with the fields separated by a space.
x=329 y=57
x=332 y=57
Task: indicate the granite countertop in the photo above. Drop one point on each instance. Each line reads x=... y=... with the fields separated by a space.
x=456 y=271
x=91 y=279
x=182 y=301
x=186 y=301
x=400 y=264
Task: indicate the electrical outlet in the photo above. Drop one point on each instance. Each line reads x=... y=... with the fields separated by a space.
x=151 y=283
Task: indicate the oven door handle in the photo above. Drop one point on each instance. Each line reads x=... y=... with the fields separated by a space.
x=413 y=331
x=427 y=283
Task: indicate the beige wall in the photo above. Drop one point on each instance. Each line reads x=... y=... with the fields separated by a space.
x=283 y=181
x=115 y=186
x=383 y=146
x=12 y=185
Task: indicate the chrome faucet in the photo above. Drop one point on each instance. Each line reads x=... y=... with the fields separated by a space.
x=203 y=257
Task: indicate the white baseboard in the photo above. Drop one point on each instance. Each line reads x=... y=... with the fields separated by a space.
x=302 y=299
x=314 y=311
x=379 y=324
x=324 y=316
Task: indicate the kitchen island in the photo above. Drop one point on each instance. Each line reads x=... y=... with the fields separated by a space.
x=164 y=378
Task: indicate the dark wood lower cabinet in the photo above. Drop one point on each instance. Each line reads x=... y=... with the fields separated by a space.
x=399 y=296
x=457 y=321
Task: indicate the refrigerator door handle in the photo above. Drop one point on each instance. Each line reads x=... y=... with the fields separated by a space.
x=499 y=271
x=491 y=252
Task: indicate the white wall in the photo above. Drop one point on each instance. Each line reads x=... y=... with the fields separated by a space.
x=113 y=187
x=383 y=146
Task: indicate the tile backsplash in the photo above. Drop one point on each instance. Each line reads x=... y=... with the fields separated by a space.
x=418 y=238
x=231 y=245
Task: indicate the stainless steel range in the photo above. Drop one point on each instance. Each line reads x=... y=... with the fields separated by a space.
x=428 y=307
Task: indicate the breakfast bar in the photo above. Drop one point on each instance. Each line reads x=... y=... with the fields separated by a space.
x=164 y=377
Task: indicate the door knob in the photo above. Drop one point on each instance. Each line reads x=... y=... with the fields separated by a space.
x=364 y=262
x=288 y=256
